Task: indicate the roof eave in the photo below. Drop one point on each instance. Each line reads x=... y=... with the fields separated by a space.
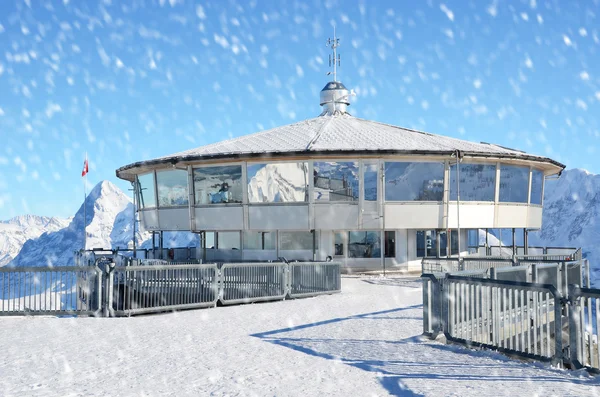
x=123 y=174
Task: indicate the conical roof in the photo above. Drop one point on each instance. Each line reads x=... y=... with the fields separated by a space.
x=340 y=134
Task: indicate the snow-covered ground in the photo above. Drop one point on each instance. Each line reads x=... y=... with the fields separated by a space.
x=363 y=342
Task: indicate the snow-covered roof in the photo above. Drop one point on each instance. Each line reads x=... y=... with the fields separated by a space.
x=334 y=134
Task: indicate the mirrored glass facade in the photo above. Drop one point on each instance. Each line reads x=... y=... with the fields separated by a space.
x=340 y=239
x=477 y=182
x=298 y=241
x=278 y=182
x=260 y=241
x=370 y=182
x=414 y=181
x=228 y=240
x=172 y=186
x=364 y=244
x=335 y=181
x=426 y=243
x=147 y=199
x=514 y=184
x=218 y=185
x=537 y=183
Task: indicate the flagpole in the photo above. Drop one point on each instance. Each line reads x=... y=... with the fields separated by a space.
x=84 y=203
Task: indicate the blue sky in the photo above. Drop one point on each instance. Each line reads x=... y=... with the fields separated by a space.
x=133 y=80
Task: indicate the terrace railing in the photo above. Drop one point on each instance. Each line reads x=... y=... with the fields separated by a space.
x=122 y=286
x=534 y=309
x=69 y=290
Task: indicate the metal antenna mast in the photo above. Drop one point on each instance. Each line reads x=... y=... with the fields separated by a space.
x=336 y=60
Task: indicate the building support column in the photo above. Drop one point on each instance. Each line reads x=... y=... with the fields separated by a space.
x=487 y=245
x=514 y=242
x=526 y=241
x=160 y=244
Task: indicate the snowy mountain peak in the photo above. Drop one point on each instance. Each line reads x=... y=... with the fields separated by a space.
x=108 y=224
x=16 y=231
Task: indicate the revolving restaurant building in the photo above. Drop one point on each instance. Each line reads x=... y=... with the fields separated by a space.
x=368 y=194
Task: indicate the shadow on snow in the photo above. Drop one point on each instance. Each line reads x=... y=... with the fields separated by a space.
x=396 y=361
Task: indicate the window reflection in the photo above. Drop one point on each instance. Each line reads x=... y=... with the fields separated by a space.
x=370 y=182
x=259 y=240
x=215 y=185
x=364 y=245
x=297 y=241
x=339 y=244
x=414 y=181
x=277 y=182
x=537 y=182
x=477 y=182
x=514 y=184
x=426 y=243
x=146 y=191
x=335 y=181
x=172 y=188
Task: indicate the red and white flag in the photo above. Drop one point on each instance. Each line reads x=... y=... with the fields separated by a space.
x=85 y=167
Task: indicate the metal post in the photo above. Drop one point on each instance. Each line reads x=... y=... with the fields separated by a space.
x=557 y=359
x=514 y=243
x=487 y=253
x=458 y=159
x=574 y=331
x=160 y=244
x=525 y=241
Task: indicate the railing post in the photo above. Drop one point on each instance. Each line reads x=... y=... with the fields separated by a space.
x=443 y=303
x=574 y=331
x=426 y=295
x=557 y=359
x=108 y=289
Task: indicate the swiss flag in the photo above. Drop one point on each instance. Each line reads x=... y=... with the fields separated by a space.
x=85 y=167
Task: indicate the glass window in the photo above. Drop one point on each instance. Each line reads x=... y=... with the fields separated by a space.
x=414 y=181
x=339 y=244
x=209 y=240
x=215 y=185
x=277 y=182
x=370 y=182
x=172 y=188
x=454 y=242
x=259 y=240
x=514 y=184
x=228 y=240
x=390 y=244
x=537 y=183
x=335 y=181
x=477 y=182
x=146 y=189
x=426 y=243
x=297 y=241
x=364 y=245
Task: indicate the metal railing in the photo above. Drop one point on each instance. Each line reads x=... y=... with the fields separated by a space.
x=310 y=279
x=512 y=313
x=151 y=288
x=252 y=282
x=117 y=286
x=512 y=317
x=69 y=290
x=584 y=325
